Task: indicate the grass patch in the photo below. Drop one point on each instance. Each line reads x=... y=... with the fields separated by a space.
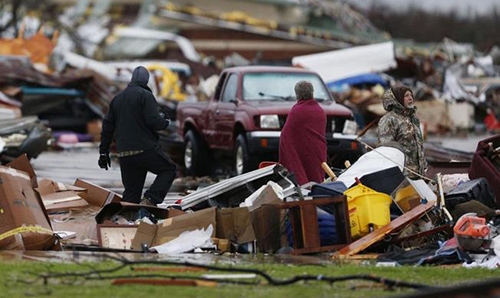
x=22 y=279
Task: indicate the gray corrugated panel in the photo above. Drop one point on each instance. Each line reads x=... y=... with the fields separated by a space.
x=217 y=189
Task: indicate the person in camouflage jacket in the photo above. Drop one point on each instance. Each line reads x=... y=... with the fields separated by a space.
x=401 y=125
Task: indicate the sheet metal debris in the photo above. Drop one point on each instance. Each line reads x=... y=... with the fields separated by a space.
x=452 y=83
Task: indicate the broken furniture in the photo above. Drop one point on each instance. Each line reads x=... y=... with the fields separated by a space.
x=486 y=164
x=303 y=218
x=395 y=225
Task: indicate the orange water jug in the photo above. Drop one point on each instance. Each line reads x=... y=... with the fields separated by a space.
x=471 y=225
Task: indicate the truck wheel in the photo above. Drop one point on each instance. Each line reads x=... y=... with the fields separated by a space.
x=195 y=155
x=242 y=160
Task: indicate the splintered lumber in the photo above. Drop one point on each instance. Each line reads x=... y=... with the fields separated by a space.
x=379 y=234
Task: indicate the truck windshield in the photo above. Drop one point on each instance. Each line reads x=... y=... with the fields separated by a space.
x=280 y=86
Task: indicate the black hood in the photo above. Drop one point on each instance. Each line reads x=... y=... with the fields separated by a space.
x=140 y=75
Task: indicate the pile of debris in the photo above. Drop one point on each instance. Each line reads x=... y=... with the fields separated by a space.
x=368 y=210
x=39 y=97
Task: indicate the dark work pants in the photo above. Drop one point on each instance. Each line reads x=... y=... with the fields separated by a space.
x=134 y=170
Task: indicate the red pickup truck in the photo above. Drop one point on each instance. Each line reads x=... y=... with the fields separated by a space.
x=243 y=119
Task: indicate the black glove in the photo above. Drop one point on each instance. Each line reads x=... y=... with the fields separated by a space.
x=104 y=161
x=165 y=117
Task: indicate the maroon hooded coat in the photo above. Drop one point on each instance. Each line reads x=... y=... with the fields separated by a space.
x=302 y=143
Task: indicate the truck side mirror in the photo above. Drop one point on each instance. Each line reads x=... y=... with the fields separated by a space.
x=234 y=101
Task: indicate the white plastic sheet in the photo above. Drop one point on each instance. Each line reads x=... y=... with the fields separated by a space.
x=187 y=241
x=341 y=64
x=378 y=159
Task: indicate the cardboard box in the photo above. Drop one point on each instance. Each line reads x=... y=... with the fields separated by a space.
x=96 y=195
x=235 y=225
x=116 y=236
x=49 y=186
x=266 y=218
x=267 y=221
x=153 y=235
x=103 y=219
x=116 y=208
x=63 y=201
x=79 y=221
x=266 y=194
x=23 y=164
x=24 y=223
x=57 y=196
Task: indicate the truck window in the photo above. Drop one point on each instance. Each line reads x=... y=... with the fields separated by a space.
x=275 y=85
x=229 y=92
x=218 y=88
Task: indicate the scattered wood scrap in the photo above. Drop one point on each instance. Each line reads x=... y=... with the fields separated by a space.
x=379 y=234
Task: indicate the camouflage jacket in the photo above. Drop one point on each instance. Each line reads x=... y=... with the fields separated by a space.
x=400 y=125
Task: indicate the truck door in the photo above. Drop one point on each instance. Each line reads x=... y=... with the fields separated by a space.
x=223 y=114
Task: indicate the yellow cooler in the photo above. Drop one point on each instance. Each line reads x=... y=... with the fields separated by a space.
x=368 y=209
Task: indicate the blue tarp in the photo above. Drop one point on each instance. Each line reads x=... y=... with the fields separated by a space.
x=51 y=91
x=368 y=78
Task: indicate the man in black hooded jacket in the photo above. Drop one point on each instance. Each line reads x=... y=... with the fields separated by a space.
x=132 y=120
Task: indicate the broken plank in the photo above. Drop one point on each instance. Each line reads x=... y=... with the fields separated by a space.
x=379 y=234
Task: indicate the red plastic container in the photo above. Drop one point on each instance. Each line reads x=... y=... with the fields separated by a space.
x=472 y=226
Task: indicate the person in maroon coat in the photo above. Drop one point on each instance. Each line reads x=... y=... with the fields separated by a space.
x=303 y=146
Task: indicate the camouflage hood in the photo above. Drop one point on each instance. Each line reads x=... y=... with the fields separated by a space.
x=390 y=103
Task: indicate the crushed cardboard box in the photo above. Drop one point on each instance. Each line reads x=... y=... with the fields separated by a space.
x=232 y=224
x=96 y=195
x=23 y=164
x=63 y=201
x=235 y=225
x=79 y=221
x=266 y=218
x=49 y=186
x=113 y=235
x=125 y=208
x=267 y=221
x=24 y=223
x=58 y=197
x=271 y=193
x=152 y=235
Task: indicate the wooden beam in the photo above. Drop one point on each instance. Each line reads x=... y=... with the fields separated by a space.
x=379 y=234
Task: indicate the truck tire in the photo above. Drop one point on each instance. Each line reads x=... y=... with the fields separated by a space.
x=196 y=161
x=243 y=162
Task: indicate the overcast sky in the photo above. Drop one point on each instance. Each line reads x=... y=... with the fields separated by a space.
x=462 y=6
